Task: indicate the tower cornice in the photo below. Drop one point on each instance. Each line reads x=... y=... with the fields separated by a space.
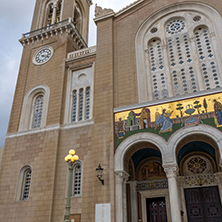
x=53 y=31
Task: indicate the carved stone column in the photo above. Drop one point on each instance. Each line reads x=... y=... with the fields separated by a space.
x=171 y=172
x=218 y=177
x=54 y=14
x=167 y=70
x=133 y=196
x=121 y=178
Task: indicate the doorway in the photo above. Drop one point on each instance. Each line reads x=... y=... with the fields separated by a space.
x=203 y=204
x=156 y=209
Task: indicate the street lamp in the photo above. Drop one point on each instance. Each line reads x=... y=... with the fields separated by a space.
x=71 y=158
x=99 y=171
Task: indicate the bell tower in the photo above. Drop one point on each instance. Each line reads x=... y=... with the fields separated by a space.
x=50 y=12
x=58 y=28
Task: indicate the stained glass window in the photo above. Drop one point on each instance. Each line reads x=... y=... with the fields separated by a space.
x=80 y=104
x=74 y=106
x=207 y=58
x=180 y=58
x=37 y=116
x=157 y=69
x=27 y=183
x=87 y=103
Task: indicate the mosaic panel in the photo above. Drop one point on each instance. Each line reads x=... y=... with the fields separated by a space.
x=165 y=119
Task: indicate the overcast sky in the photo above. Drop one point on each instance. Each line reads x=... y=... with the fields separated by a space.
x=15 y=19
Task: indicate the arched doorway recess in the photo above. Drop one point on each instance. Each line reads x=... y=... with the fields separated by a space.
x=199 y=179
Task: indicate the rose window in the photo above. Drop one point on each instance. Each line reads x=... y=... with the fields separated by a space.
x=175 y=26
x=197 y=165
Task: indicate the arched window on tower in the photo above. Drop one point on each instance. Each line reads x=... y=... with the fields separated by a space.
x=87 y=103
x=37 y=112
x=58 y=11
x=24 y=183
x=49 y=14
x=81 y=104
x=35 y=108
x=77 y=18
x=77 y=179
x=79 y=97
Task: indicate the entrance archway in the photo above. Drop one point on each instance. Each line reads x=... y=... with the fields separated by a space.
x=147 y=187
x=199 y=179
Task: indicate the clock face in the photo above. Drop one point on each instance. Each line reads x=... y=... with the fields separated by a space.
x=42 y=55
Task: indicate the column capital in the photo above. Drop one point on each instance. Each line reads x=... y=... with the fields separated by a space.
x=121 y=176
x=55 y=5
x=218 y=177
x=171 y=171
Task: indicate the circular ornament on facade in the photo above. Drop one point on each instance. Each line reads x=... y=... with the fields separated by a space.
x=197 y=18
x=153 y=30
x=175 y=26
x=197 y=165
x=43 y=55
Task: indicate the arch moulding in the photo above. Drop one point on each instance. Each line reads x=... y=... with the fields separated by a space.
x=167 y=149
x=141 y=44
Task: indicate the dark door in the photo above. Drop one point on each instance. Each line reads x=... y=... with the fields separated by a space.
x=203 y=204
x=156 y=210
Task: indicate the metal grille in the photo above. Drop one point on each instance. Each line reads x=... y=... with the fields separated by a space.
x=27 y=183
x=77 y=181
x=37 y=118
x=152 y=185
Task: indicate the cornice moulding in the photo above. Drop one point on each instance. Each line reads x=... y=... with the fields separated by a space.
x=52 y=31
x=167 y=100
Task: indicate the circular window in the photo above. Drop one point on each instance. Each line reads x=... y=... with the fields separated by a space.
x=153 y=30
x=175 y=26
x=197 y=18
x=197 y=165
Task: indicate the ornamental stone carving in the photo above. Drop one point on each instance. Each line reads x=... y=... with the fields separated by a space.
x=100 y=12
x=171 y=171
x=121 y=176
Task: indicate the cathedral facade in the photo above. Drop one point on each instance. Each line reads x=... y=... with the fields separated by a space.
x=144 y=104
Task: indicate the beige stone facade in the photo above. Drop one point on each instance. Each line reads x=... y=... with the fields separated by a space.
x=110 y=78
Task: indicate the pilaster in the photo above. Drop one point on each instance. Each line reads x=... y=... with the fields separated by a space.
x=171 y=173
x=121 y=178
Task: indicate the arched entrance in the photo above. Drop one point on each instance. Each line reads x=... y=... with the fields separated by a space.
x=199 y=179
x=172 y=153
x=147 y=187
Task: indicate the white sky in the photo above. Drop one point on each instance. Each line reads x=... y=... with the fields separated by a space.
x=15 y=19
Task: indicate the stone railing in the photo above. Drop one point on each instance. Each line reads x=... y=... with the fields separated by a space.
x=81 y=53
x=65 y=26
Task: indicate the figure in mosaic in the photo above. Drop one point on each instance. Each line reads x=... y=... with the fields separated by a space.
x=120 y=129
x=164 y=118
x=152 y=170
x=191 y=121
x=145 y=118
x=218 y=112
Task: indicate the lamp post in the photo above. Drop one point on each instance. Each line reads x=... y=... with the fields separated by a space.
x=99 y=171
x=70 y=159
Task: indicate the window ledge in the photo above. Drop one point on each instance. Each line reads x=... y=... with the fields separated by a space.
x=78 y=124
